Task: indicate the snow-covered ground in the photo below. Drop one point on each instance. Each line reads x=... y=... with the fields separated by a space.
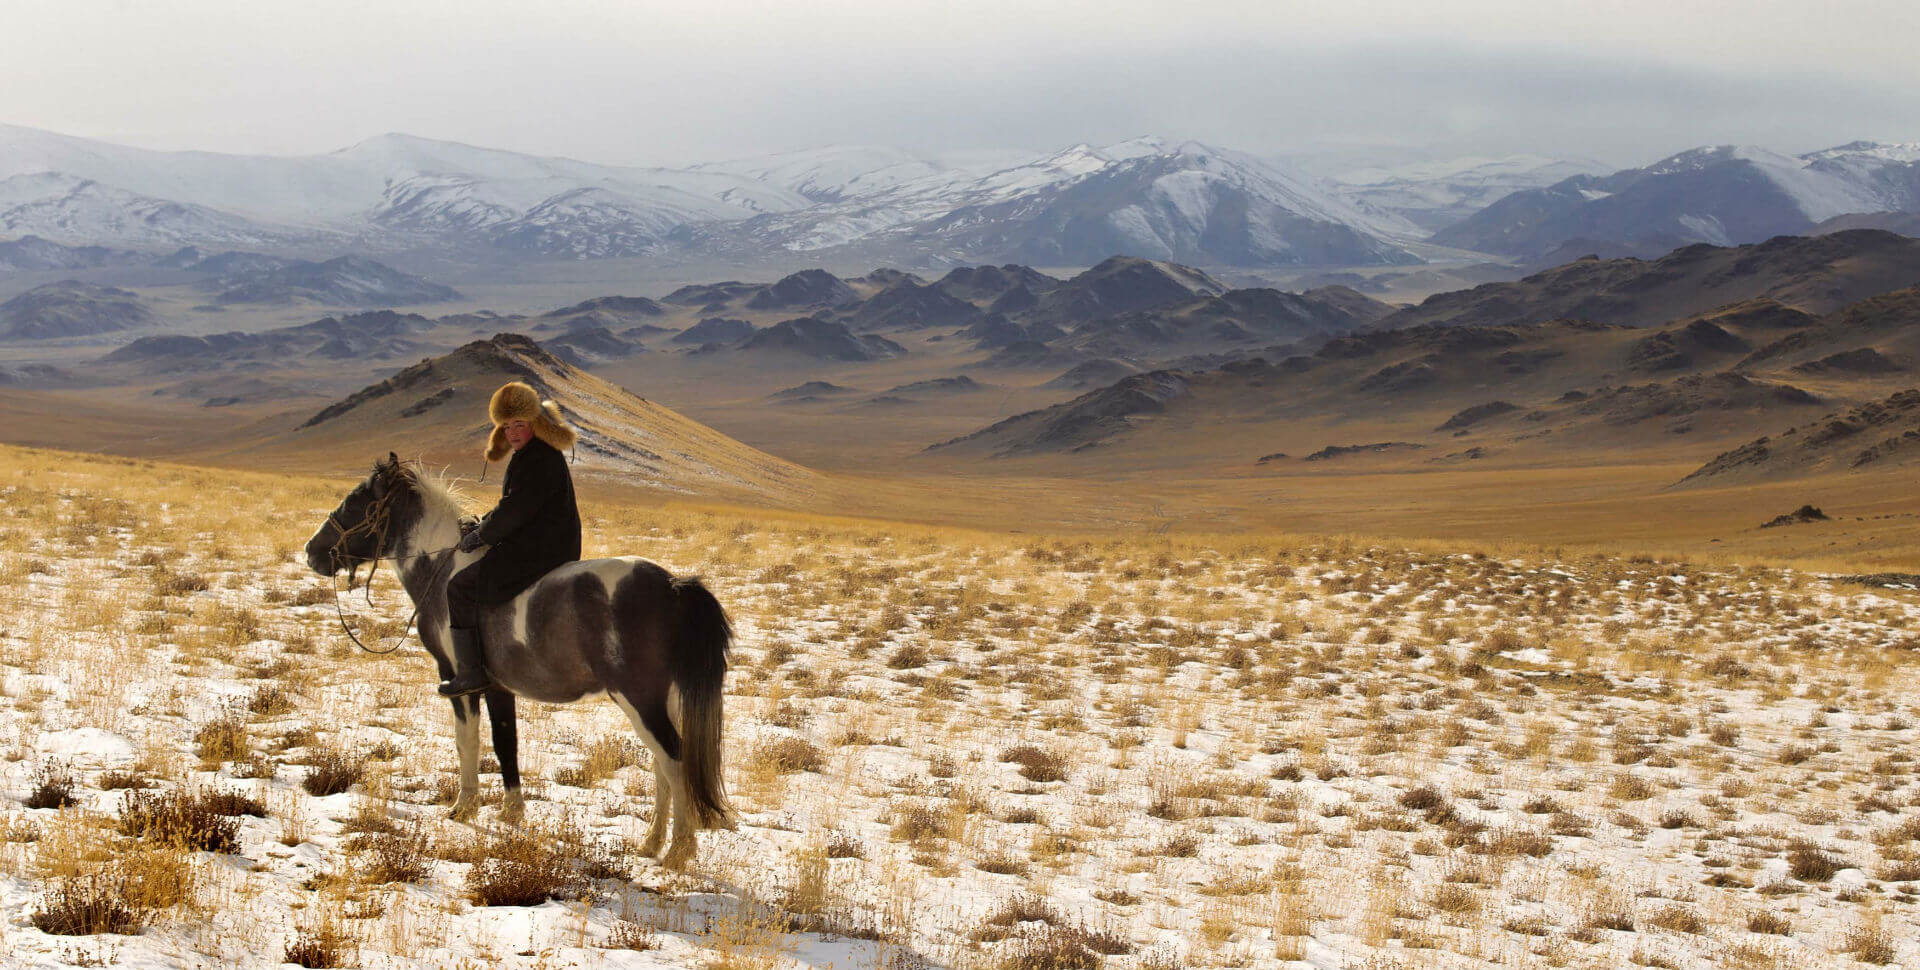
x=967 y=750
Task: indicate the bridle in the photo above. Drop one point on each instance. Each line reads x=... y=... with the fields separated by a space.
x=376 y=521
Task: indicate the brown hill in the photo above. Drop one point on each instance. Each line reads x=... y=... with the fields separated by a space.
x=1880 y=334
x=1876 y=435
x=437 y=408
x=1817 y=274
x=1556 y=387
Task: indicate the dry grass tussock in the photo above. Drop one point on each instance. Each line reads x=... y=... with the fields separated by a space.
x=968 y=750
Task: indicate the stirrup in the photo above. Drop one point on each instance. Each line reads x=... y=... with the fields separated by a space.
x=469 y=681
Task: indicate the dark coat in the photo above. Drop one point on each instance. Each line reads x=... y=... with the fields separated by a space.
x=535 y=528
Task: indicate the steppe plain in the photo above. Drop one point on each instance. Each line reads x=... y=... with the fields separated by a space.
x=1035 y=712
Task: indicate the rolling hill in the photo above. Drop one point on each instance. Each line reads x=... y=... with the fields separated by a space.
x=1813 y=273
x=438 y=408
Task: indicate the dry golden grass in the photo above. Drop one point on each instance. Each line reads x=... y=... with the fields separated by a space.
x=1253 y=745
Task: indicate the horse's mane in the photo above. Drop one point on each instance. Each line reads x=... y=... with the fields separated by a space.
x=435 y=491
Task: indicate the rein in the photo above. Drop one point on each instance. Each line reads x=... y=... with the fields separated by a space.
x=375 y=522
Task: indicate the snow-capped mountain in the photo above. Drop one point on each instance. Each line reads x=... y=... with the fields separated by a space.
x=393 y=190
x=57 y=206
x=832 y=173
x=1186 y=202
x=1437 y=193
x=1724 y=195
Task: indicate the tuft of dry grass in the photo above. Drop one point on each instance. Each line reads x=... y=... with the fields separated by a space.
x=332 y=771
x=523 y=869
x=88 y=905
x=53 y=786
x=180 y=819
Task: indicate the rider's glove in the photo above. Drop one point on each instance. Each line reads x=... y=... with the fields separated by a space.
x=471 y=542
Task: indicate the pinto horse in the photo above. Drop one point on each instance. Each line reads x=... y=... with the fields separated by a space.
x=624 y=627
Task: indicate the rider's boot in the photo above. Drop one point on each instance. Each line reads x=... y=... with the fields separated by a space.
x=470 y=664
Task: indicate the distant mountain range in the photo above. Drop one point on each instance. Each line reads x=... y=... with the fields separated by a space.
x=1724 y=195
x=1154 y=198
x=1705 y=348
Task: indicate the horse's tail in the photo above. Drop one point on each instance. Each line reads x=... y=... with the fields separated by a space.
x=701 y=641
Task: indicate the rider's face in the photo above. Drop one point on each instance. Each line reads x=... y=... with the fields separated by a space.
x=518 y=433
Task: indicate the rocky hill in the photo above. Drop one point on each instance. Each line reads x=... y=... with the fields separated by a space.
x=821 y=339
x=342 y=281
x=376 y=335
x=1875 y=435
x=1811 y=273
x=70 y=308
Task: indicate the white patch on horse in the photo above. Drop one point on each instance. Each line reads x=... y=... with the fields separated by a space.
x=610 y=572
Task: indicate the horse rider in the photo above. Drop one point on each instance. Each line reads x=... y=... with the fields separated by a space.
x=535 y=528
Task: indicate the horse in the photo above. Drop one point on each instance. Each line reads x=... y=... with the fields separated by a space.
x=657 y=644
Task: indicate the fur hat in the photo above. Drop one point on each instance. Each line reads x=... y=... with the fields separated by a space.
x=516 y=401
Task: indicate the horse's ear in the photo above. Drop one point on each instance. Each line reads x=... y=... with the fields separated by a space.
x=393 y=459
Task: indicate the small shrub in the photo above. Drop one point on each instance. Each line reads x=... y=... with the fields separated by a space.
x=907 y=657
x=1809 y=863
x=1870 y=942
x=53 y=787
x=324 y=945
x=1037 y=764
x=119 y=779
x=1630 y=788
x=388 y=857
x=841 y=845
x=522 y=870
x=178 y=818
x=222 y=740
x=333 y=772
x=87 y=905
x=1766 y=922
x=1455 y=898
x=1002 y=862
x=225 y=802
x=1679 y=919
x=790 y=755
x=270 y=700
x=629 y=935
x=918 y=823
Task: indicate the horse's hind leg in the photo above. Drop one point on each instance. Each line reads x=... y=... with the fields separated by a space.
x=466 y=740
x=506 y=747
x=662 y=798
x=670 y=791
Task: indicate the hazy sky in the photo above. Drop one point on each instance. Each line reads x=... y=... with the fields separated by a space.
x=666 y=83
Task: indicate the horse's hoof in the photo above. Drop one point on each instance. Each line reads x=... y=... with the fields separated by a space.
x=651 y=847
x=463 y=808
x=513 y=808
x=678 y=856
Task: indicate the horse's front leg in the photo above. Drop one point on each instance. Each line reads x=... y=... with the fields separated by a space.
x=506 y=747
x=466 y=740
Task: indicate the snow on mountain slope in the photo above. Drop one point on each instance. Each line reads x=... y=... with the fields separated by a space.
x=389 y=181
x=64 y=208
x=830 y=174
x=1821 y=192
x=1438 y=192
x=1147 y=196
x=1719 y=194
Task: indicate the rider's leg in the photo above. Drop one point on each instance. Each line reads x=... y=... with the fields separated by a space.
x=469 y=654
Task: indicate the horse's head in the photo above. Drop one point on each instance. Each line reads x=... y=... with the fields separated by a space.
x=368 y=522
